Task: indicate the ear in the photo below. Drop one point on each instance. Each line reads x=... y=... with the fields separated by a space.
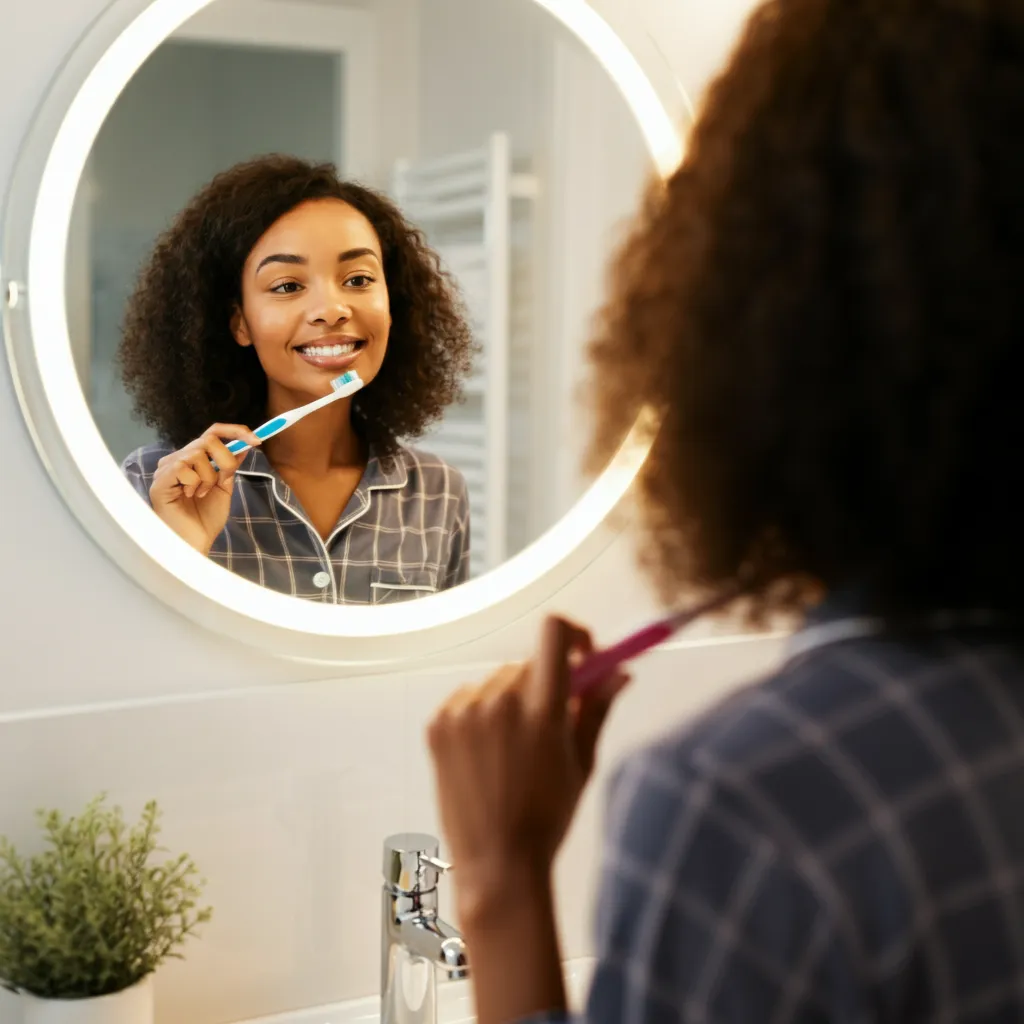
x=240 y=329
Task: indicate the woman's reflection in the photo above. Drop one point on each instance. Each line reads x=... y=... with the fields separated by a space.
x=273 y=281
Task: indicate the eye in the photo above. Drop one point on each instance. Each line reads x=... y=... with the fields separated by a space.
x=364 y=280
x=286 y=288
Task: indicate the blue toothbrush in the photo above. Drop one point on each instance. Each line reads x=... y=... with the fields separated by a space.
x=347 y=384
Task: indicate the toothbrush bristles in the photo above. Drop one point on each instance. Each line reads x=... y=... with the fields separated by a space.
x=348 y=377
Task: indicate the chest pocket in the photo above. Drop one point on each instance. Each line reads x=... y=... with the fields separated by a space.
x=389 y=586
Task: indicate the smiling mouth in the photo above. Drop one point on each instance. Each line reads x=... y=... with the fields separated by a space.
x=331 y=351
x=334 y=357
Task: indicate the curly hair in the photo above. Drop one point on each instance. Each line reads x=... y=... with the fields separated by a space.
x=179 y=360
x=824 y=305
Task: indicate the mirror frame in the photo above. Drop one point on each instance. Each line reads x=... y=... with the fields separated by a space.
x=35 y=226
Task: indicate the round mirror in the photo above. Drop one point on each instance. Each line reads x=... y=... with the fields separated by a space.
x=397 y=212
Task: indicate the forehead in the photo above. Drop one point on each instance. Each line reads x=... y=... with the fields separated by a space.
x=315 y=227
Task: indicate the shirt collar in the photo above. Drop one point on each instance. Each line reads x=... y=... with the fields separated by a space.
x=848 y=612
x=845 y=602
x=844 y=614
x=380 y=473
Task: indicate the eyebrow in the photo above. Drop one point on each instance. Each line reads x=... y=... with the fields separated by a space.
x=289 y=257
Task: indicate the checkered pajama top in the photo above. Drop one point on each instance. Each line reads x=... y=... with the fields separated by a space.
x=403 y=534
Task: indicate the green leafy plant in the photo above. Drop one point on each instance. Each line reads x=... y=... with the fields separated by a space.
x=90 y=915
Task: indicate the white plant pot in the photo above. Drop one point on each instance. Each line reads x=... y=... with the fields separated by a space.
x=132 y=1006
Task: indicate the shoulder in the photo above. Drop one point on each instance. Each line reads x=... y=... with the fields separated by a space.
x=710 y=840
x=428 y=472
x=143 y=461
x=691 y=774
x=765 y=755
x=795 y=792
x=732 y=791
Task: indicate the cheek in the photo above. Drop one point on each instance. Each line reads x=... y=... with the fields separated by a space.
x=269 y=322
x=380 y=312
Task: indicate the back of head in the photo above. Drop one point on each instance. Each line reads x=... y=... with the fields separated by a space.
x=826 y=307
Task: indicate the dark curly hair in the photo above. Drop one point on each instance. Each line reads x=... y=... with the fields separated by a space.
x=178 y=357
x=825 y=305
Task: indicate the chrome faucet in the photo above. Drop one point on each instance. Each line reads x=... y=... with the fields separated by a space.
x=414 y=940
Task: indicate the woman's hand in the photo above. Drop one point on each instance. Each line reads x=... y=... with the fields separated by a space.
x=191 y=494
x=511 y=759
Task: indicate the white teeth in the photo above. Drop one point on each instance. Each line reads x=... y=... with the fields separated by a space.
x=328 y=350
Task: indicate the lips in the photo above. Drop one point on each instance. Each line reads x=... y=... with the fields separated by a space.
x=333 y=355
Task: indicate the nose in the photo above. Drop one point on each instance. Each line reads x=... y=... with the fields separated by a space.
x=329 y=306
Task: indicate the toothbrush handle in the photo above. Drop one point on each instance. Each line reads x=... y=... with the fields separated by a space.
x=601 y=664
x=269 y=429
x=278 y=423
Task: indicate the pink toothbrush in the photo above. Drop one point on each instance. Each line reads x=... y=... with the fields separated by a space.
x=601 y=664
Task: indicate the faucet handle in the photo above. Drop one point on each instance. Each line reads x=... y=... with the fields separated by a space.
x=442 y=867
x=411 y=864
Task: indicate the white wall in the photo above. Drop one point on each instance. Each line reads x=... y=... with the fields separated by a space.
x=395 y=85
x=476 y=51
x=284 y=788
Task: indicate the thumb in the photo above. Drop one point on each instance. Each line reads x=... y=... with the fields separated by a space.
x=549 y=682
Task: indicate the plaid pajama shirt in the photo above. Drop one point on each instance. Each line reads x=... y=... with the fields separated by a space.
x=403 y=534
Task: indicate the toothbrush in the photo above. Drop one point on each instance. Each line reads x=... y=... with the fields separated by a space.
x=599 y=665
x=347 y=384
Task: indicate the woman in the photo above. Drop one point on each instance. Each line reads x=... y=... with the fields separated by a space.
x=275 y=279
x=825 y=305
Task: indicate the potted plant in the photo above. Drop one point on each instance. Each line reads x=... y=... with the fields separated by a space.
x=84 y=923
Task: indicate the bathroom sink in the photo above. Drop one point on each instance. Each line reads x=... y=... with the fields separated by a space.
x=454 y=1003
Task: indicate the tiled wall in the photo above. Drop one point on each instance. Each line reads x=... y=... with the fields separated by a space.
x=284 y=797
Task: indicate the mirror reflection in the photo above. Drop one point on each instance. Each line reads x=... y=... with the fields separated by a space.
x=402 y=209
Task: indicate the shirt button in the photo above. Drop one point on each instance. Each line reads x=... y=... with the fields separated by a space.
x=321 y=579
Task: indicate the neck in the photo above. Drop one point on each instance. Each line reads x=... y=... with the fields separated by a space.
x=322 y=441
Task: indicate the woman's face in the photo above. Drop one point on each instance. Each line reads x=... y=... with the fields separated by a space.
x=314 y=299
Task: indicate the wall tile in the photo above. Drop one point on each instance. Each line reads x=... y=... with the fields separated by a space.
x=284 y=799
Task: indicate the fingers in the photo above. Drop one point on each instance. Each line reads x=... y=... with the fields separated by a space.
x=193 y=472
x=217 y=433
x=226 y=462
x=474 y=729
x=467 y=701
x=208 y=475
x=206 y=462
x=185 y=477
x=438 y=726
x=232 y=432
x=562 y=644
x=542 y=686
